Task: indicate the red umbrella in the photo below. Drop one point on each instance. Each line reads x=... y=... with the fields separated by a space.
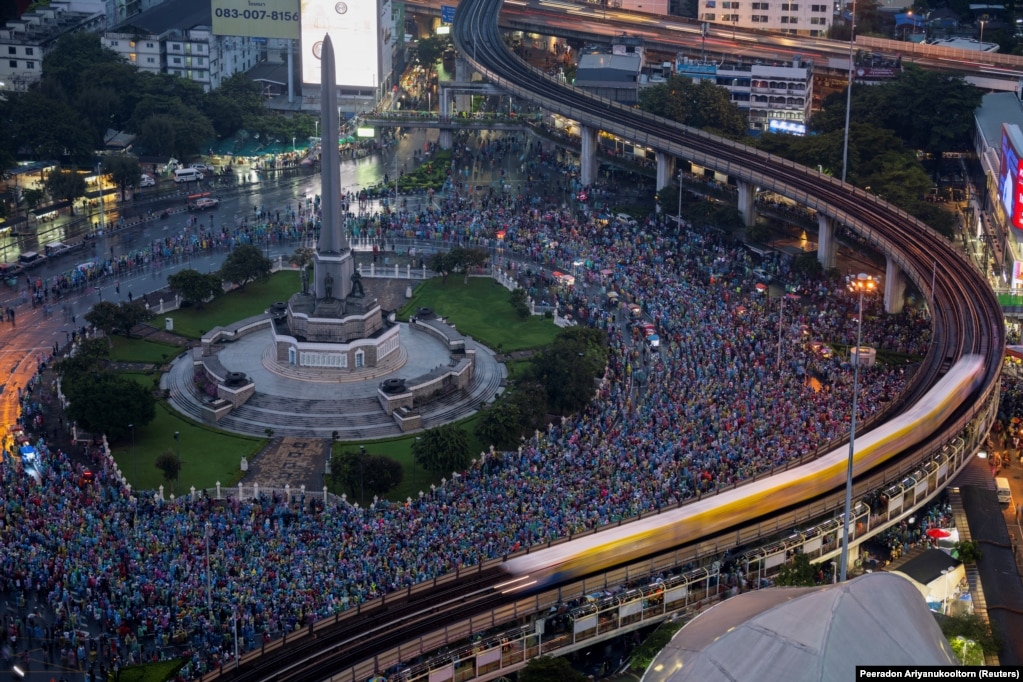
x=937 y=533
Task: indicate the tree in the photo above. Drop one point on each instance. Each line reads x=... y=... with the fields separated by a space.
x=442 y=449
x=73 y=55
x=121 y=318
x=970 y=626
x=701 y=105
x=381 y=474
x=301 y=259
x=106 y=403
x=467 y=259
x=569 y=367
x=124 y=170
x=431 y=49
x=500 y=426
x=195 y=287
x=344 y=471
x=529 y=399
x=170 y=464
x=156 y=135
x=246 y=263
x=65 y=185
x=517 y=298
x=360 y=473
x=444 y=263
x=797 y=573
x=550 y=669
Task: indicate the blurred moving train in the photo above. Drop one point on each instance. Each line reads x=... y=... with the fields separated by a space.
x=715 y=513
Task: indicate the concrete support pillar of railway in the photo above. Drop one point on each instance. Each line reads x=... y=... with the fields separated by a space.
x=665 y=173
x=463 y=74
x=894 y=288
x=827 y=244
x=588 y=156
x=446 y=139
x=444 y=110
x=747 y=205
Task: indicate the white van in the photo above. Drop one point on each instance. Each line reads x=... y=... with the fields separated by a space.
x=1003 y=490
x=187 y=175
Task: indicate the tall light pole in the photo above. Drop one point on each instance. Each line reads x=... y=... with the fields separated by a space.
x=946 y=573
x=982 y=22
x=862 y=284
x=848 y=108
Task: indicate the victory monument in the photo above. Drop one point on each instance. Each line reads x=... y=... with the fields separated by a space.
x=331 y=323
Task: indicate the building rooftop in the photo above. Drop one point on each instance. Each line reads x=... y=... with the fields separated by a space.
x=995 y=109
x=182 y=15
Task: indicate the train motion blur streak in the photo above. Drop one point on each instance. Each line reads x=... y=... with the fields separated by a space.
x=715 y=513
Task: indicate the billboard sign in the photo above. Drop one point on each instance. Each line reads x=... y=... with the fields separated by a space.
x=790 y=127
x=447 y=14
x=874 y=73
x=256 y=18
x=359 y=29
x=1010 y=175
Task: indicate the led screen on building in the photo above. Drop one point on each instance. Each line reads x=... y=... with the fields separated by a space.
x=1010 y=175
x=256 y=18
x=360 y=35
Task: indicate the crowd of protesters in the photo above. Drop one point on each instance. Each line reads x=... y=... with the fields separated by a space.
x=739 y=385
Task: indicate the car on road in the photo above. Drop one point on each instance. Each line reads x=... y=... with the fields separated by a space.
x=201 y=167
x=204 y=203
x=147 y=181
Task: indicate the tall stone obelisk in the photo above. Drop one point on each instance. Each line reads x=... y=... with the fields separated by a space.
x=333 y=264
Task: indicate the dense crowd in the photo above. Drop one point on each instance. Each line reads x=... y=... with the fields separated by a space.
x=718 y=403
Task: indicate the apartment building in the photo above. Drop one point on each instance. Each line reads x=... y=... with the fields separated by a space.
x=177 y=38
x=798 y=18
x=25 y=41
x=777 y=95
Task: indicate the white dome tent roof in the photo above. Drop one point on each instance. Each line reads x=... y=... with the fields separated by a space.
x=809 y=634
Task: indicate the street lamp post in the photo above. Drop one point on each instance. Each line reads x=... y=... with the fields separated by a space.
x=982 y=22
x=177 y=452
x=862 y=284
x=848 y=108
x=946 y=572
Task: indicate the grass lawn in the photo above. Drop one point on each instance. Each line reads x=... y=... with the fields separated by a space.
x=141 y=350
x=236 y=305
x=207 y=455
x=481 y=309
x=152 y=672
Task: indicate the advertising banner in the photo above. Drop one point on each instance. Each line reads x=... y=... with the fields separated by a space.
x=355 y=28
x=1010 y=174
x=256 y=18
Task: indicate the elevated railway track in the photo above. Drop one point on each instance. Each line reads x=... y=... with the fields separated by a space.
x=966 y=320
